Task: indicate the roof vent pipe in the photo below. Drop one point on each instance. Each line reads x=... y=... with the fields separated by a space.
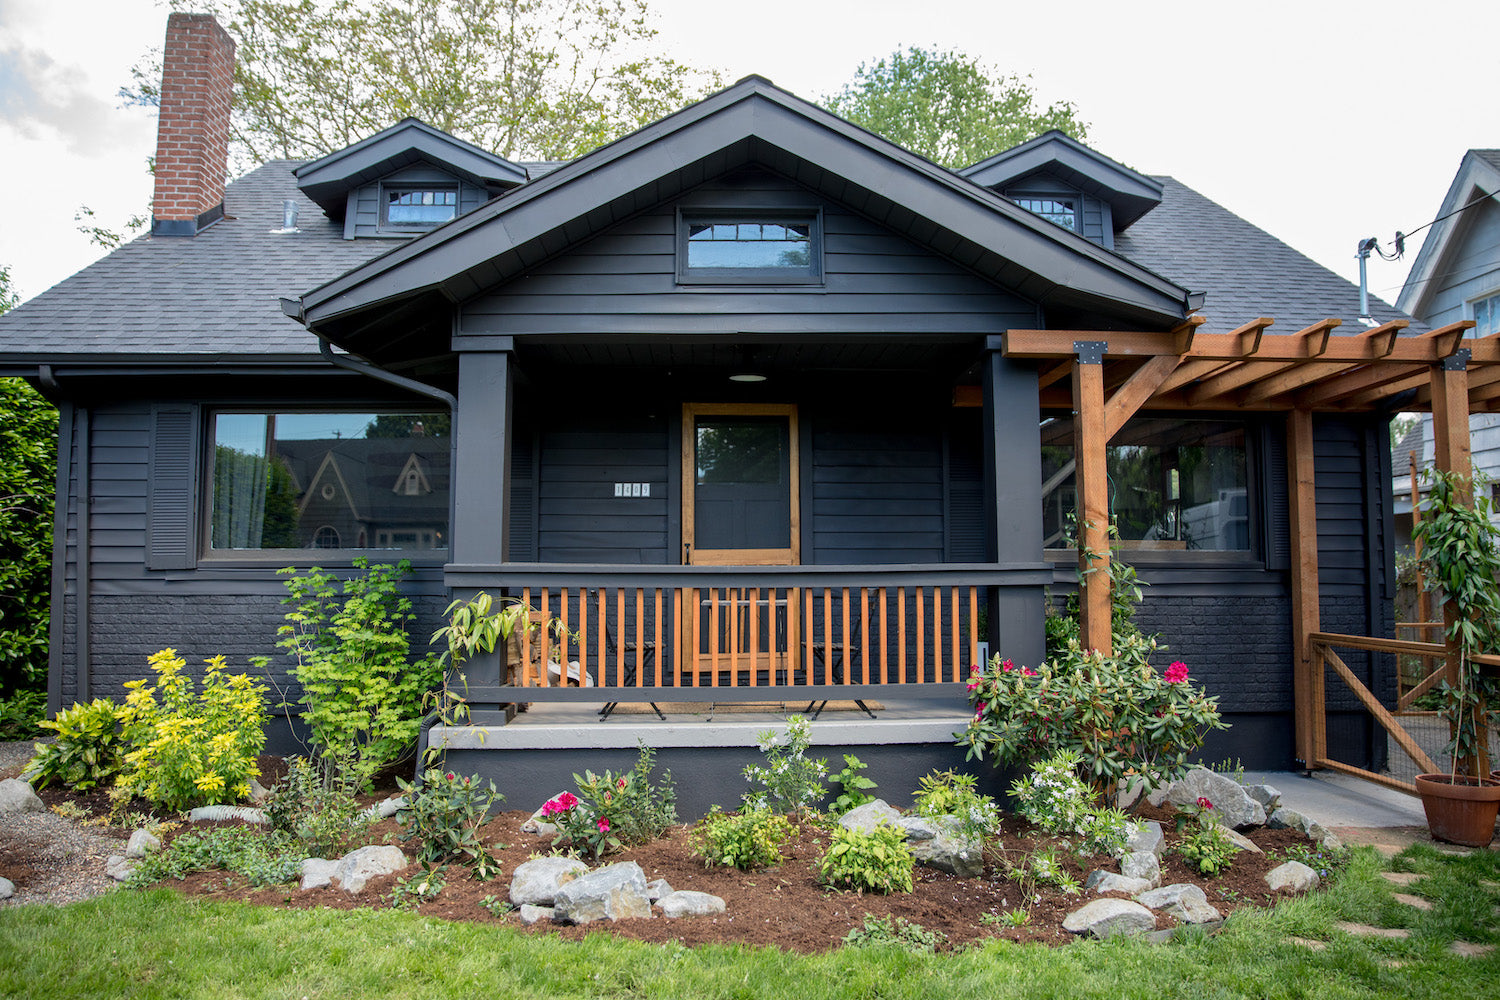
x=1365 y=246
x=288 y=218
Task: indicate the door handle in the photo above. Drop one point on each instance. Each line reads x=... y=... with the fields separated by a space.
x=687 y=553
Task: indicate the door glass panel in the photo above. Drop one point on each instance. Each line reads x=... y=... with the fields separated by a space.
x=742 y=496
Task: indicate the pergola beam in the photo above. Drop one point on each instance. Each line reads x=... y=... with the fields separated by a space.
x=1140 y=387
x=1312 y=341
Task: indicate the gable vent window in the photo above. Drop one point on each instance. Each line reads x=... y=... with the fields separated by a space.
x=1063 y=211
x=418 y=208
x=750 y=249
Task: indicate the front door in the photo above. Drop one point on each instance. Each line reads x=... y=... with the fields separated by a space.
x=741 y=507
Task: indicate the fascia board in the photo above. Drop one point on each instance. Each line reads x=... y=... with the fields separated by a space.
x=1474 y=175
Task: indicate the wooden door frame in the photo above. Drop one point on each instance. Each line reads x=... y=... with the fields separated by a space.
x=790 y=556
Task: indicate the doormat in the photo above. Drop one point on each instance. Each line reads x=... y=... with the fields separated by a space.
x=738 y=707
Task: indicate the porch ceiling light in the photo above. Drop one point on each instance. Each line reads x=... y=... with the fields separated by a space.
x=747 y=372
x=747 y=377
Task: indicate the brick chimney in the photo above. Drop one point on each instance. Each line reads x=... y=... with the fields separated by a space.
x=192 y=139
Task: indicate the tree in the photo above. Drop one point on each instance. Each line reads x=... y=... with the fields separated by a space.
x=948 y=106
x=523 y=78
x=28 y=472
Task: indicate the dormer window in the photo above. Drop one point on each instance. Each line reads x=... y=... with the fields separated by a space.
x=1063 y=211
x=408 y=209
x=750 y=249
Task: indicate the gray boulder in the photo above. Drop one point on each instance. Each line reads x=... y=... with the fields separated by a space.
x=1267 y=795
x=317 y=873
x=537 y=826
x=946 y=849
x=610 y=893
x=921 y=827
x=1284 y=818
x=1293 y=876
x=385 y=808
x=358 y=867
x=118 y=867
x=259 y=794
x=536 y=882
x=1106 y=917
x=1143 y=865
x=141 y=843
x=7 y=888
x=870 y=815
x=1232 y=806
x=1241 y=842
x=686 y=903
x=1184 y=902
x=1145 y=836
x=657 y=889
x=1102 y=882
x=17 y=796
x=535 y=914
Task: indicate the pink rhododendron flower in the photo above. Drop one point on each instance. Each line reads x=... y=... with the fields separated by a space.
x=1007 y=666
x=1027 y=672
x=603 y=824
x=620 y=784
x=450 y=775
x=1176 y=673
x=1204 y=803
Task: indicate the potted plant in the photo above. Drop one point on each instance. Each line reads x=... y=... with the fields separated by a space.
x=1459 y=550
x=484 y=624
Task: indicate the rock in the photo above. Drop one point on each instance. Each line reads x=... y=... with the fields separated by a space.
x=1293 y=876
x=536 y=882
x=919 y=827
x=535 y=914
x=868 y=816
x=1365 y=930
x=7 y=888
x=539 y=827
x=118 y=867
x=1232 y=807
x=610 y=893
x=1145 y=836
x=1284 y=818
x=690 y=904
x=951 y=853
x=1103 y=882
x=657 y=889
x=1104 y=917
x=1267 y=795
x=258 y=793
x=1184 y=902
x=141 y=844
x=1332 y=842
x=1401 y=878
x=221 y=814
x=391 y=806
x=358 y=867
x=317 y=873
x=17 y=796
x=1463 y=949
x=1241 y=842
x=1142 y=865
x=1415 y=902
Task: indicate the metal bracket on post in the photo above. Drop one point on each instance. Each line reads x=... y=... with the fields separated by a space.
x=1090 y=352
x=1458 y=360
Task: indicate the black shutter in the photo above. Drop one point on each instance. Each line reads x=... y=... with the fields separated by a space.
x=523 y=498
x=1276 y=524
x=965 y=494
x=172 y=497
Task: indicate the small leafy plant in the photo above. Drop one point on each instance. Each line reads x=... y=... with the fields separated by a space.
x=791 y=782
x=443 y=816
x=413 y=890
x=611 y=811
x=948 y=793
x=315 y=804
x=886 y=931
x=853 y=786
x=247 y=852
x=1042 y=867
x=188 y=747
x=1203 y=844
x=87 y=751
x=1328 y=862
x=747 y=840
x=878 y=861
x=1054 y=798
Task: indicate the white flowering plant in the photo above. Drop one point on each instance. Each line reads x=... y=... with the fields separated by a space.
x=791 y=781
x=1054 y=798
x=947 y=793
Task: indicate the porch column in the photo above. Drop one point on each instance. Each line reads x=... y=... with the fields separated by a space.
x=1307 y=675
x=1090 y=437
x=1450 y=434
x=1013 y=504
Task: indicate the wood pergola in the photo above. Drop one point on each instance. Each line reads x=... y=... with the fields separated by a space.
x=1106 y=377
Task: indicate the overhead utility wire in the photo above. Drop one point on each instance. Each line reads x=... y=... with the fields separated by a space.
x=1399 y=243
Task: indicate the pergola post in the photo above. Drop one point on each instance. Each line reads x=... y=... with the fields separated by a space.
x=1450 y=433
x=1307 y=676
x=1089 y=439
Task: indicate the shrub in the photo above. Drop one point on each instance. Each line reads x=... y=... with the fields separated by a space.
x=1204 y=845
x=187 y=748
x=22 y=714
x=853 y=786
x=791 y=782
x=612 y=810
x=1054 y=798
x=360 y=690
x=878 y=861
x=895 y=931
x=247 y=852
x=947 y=793
x=444 y=815
x=315 y=804
x=1125 y=720
x=87 y=751
x=748 y=840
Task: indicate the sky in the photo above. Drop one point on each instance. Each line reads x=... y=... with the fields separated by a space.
x=1322 y=121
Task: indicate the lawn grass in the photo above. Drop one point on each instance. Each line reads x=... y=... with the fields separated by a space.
x=158 y=944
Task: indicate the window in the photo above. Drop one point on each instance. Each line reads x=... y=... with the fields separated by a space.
x=1172 y=484
x=1486 y=315
x=407 y=208
x=1063 y=211
x=750 y=249
x=323 y=481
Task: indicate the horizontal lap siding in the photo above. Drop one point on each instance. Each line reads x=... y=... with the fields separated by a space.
x=580 y=519
x=625 y=281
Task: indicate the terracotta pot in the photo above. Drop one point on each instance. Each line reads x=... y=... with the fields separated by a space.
x=1460 y=810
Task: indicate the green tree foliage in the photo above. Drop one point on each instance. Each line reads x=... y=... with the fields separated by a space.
x=403 y=425
x=524 y=78
x=948 y=106
x=28 y=473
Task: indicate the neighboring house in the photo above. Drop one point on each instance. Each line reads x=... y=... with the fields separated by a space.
x=1456 y=276
x=743 y=381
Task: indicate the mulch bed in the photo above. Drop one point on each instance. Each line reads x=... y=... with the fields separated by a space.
x=783 y=907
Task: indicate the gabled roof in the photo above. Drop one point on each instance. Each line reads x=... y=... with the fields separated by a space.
x=1478 y=175
x=1130 y=194
x=327 y=181
x=750 y=122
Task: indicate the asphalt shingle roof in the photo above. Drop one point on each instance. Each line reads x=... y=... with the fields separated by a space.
x=212 y=294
